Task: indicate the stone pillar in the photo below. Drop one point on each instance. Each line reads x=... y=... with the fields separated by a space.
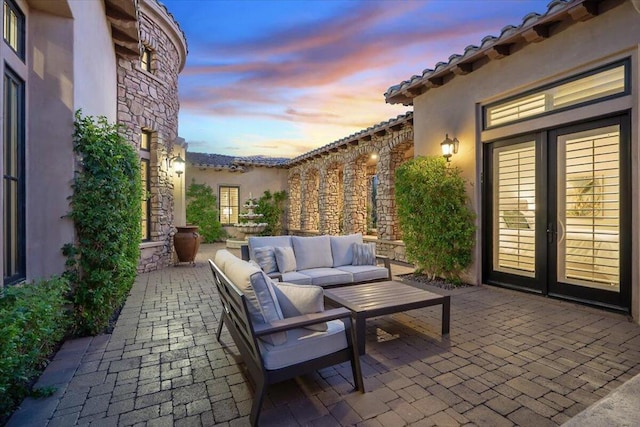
x=329 y=197
x=295 y=202
x=309 y=200
x=387 y=212
x=355 y=197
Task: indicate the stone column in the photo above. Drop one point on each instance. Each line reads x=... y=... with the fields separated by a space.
x=387 y=213
x=295 y=202
x=309 y=200
x=355 y=197
x=329 y=197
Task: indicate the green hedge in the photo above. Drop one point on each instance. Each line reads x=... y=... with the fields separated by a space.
x=271 y=206
x=33 y=320
x=202 y=210
x=105 y=209
x=438 y=227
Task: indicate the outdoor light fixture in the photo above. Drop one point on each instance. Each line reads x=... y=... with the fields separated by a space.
x=449 y=147
x=374 y=156
x=178 y=164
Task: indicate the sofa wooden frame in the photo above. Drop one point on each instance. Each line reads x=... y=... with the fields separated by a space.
x=235 y=314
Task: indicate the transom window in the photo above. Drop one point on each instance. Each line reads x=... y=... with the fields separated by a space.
x=145 y=58
x=14 y=27
x=229 y=204
x=606 y=82
x=145 y=140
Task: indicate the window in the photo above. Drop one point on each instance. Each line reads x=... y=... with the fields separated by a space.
x=145 y=140
x=605 y=82
x=145 y=177
x=14 y=27
x=145 y=59
x=229 y=204
x=13 y=180
x=146 y=205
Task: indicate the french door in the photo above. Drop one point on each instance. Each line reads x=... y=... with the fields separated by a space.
x=556 y=213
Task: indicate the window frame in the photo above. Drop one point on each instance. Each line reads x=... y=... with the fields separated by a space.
x=220 y=206
x=20 y=33
x=19 y=247
x=626 y=63
x=146 y=65
x=145 y=157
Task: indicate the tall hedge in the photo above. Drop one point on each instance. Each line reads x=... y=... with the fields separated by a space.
x=437 y=224
x=105 y=208
x=271 y=206
x=202 y=210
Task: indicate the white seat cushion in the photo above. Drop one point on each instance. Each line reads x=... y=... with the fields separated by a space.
x=296 y=277
x=327 y=276
x=342 y=248
x=365 y=273
x=304 y=344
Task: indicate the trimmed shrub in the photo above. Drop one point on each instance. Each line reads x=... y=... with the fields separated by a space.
x=271 y=206
x=436 y=222
x=33 y=320
x=202 y=211
x=105 y=208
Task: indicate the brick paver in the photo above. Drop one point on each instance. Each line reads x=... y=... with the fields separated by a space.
x=511 y=359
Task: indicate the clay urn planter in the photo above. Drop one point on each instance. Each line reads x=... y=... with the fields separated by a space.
x=186 y=242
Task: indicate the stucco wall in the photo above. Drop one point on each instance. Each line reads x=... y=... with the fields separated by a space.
x=94 y=84
x=49 y=162
x=455 y=107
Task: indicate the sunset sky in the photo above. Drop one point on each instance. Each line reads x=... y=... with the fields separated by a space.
x=280 y=78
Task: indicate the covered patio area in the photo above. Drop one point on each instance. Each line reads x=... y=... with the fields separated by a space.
x=510 y=359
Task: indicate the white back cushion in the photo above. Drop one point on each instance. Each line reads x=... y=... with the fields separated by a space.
x=312 y=252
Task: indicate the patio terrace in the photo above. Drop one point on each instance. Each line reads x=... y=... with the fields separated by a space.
x=511 y=359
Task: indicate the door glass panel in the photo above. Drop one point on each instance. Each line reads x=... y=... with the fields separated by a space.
x=589 y=208
x=514 y=206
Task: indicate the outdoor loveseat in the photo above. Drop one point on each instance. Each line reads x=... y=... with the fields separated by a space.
x=319 y=260
x=280 y=329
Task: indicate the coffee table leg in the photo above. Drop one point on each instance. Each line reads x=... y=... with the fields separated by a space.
x=360 y=322
x=446 y=315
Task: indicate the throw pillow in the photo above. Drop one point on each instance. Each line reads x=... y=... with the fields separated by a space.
x=364 y=254
x=266 y=259
x=296 y=300
x=312 y=252
x=263 y=306
x=268 y=305
x=285 y=259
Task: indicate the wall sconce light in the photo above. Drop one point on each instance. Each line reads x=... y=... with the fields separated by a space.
x=449 y=147
x=178 y=164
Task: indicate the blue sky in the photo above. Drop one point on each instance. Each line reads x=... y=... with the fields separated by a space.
x=280 y=78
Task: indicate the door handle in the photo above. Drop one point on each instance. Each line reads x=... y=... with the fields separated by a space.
x=550 y=233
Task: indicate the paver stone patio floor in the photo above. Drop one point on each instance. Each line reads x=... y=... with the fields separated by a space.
x=511 y=359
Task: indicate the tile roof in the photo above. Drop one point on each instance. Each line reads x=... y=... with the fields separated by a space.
x=353 y=138
x=534 y=28
x=233 y=163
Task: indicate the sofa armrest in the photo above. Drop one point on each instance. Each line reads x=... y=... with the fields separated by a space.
x=244 y=252
x=300 y=321
x=387 y=262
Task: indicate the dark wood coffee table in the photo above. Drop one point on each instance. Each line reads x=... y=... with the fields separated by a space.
x=380 y=298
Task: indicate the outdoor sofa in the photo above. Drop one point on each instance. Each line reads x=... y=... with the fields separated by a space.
x=325 y=261
x=281 y=330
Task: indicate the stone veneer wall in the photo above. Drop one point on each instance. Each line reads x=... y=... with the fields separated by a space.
x=342 y=189
x=149 y=101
